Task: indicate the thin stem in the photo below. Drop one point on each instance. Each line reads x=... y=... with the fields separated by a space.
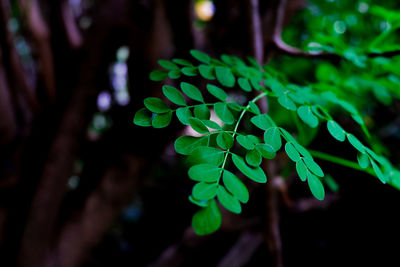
x=238 y=122
x=340 y=161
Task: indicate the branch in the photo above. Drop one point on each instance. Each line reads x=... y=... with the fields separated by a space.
x=73 y=33
x=257 y=46
x=41 y=35
x=13 y=61
x=84 y=231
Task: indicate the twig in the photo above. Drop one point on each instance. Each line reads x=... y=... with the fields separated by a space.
x=41 y=35
x=255 y=30
x=74 y=36
x=16 y=70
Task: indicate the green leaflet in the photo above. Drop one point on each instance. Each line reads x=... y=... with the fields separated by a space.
x=316 y=187
x=156 y=105
x=262 y=121
x=217 y=92
x=363 y=160
x=200 y=56
x=200 y=203
x=205 y=191
x=244 y=84
x=189 y=71
x=192 y=91
x=286 y=102
x=254 y=108
x=355 y=143
x=253 y=158
x=142 y=118
x=225 y=76
x=224 y=140
x=288 y=136
x=207 y=72
x=267 y=151
x=207 y=220
x=313 y=167
x=235 y=186
x=205 y=154
x=174 y=95
x=378 y=172
x=185 y=145
x=158 y=75
x=336 y=130
x=302 y=170
x=174 y=74
x=303 y=151
x=201 y=112
x=245 y=141
x=331 y=183
x=161 y=120
x=184 y=114
x=182 y=62
x=223 y=112
x=198 y=126
x=228 y=200
x=212 y=124
x=255 y=174
x=305 y=113
x=272 y=137
x=204 y=173
x=166 y=64
x=292 y=152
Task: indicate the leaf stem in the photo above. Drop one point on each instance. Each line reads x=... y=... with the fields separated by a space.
x=340 y=161
x=238 y=122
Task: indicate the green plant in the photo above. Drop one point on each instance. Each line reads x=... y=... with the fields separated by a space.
x=228 y=144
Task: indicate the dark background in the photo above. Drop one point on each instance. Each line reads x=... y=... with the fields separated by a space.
x=80 y=185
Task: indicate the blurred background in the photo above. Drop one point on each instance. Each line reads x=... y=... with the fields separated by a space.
x=81 y=185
